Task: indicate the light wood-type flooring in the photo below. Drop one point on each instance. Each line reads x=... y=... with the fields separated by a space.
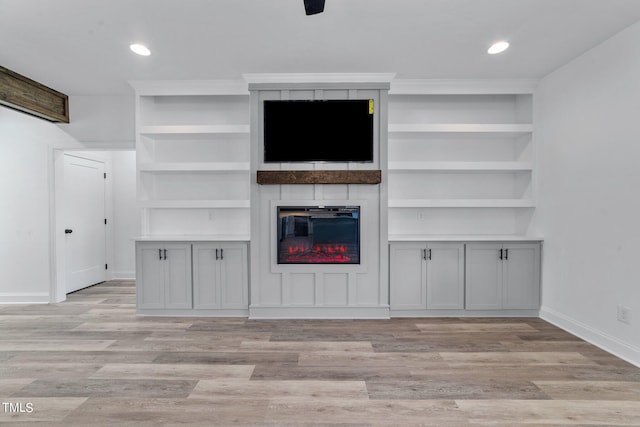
x=90 y=361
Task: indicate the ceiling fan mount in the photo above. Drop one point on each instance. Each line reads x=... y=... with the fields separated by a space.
x=312 y=7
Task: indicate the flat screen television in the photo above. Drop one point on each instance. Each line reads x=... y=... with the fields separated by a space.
x=318 y=131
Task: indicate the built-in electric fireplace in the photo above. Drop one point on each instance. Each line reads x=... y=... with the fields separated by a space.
x=318 y=235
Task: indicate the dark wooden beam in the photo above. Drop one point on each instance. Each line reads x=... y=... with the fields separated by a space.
x=23 y=94
x=320 y=177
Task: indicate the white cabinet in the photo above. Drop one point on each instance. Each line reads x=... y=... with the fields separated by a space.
x=192 y=278
x=427 y=276
x=502 y=276
x=445 y=276
x=163 y=275
x=408 y=276
x=220 y=276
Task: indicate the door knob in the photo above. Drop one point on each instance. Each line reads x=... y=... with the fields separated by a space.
x=68 y=231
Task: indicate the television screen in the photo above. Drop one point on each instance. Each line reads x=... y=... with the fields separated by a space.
x=318 y=131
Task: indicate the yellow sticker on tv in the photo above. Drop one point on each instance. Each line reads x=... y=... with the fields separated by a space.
x=371 y=106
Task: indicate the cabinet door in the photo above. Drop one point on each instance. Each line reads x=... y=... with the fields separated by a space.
x=177 y=271
x=234 y=271
x=149 y=276
x=521 y=267
x=445 y=276
x=483 y=276
x=408 y=276
x=206 y=291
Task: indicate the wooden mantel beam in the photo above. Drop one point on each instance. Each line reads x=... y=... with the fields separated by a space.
x=23 y=94
x=319 y=177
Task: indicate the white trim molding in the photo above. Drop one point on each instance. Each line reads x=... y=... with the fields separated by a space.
x=24 y=298
x=608 y=343
x=288 y=78
x=124 y=275
x=319 y=312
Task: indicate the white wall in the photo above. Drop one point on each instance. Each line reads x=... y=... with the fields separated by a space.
x=26 y=217
x=28 y=254
x=102 y=121
x=588 y=131
x=126 y=217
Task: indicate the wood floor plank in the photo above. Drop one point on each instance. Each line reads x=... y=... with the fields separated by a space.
x=47 y=370
x=56 y=345
x=530 y=358
x=228 y=358
x=8 y=386
x=516 y=372
x=231 y=344
x=426 y=345
x=287 y=346
x=108 y=388
x=172 y=371
x=366 y=412
x=474 y=327
x=285 y=371
x=301 y=389
x=83 y=357
x=357 y=358
x=461 y=388
x=132 y=326
x=591 y=390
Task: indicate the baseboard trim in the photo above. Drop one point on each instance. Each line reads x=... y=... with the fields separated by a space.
x=124 y=275
x=28 y=298
x=349 y=312
x=608 y=343
x=464 y=313
x=168 y=312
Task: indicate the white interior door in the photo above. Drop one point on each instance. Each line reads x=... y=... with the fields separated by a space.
x=85 y=234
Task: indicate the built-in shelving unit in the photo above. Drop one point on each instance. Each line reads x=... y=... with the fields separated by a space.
x=193 y=154
x=461 y=159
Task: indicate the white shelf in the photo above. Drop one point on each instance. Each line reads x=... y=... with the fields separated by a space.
x=498 y=128
x=194 y=129
x=195 y=204
x=461 y=166
x=463 y=238
x=461 y=203
x=194 y=167
x=194 y=238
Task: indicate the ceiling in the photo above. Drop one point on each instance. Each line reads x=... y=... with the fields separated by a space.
x=80 y=47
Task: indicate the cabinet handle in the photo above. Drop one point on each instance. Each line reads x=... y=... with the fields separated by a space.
x=506 y=254
x=160 y=254
x=501 y=254
x=429 y=254
x=216 y=254
x=221 y=253
x=165 y=254
x=424 y=254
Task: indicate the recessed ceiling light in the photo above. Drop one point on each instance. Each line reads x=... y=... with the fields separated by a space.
x=498 y=47
x=140 y=49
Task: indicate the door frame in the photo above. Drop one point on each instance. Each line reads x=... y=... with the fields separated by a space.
x=58 y=282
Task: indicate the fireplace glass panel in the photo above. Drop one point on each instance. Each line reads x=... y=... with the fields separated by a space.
x=319 y=235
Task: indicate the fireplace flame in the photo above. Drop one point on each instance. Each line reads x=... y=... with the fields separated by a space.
x=319 y=253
